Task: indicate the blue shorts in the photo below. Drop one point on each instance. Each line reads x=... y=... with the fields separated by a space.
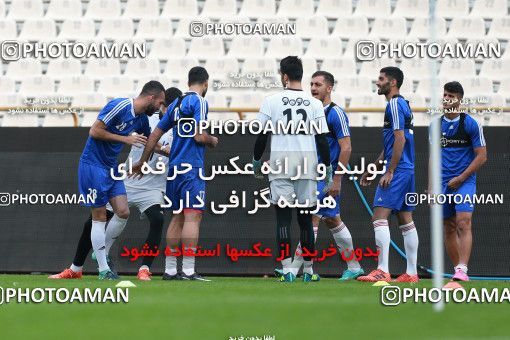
x=327 y=212
x=97 y=182
x=450 y=208
x=188 y=188
x=393 y=196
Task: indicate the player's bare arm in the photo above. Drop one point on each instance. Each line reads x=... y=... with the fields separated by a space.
x=206 y=139
x=345 y=155
x=398 y=147
x=476 y=164
x=98 y=131
x=378 y=162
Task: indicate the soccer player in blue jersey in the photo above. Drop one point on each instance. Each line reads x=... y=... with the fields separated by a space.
x=112 y=129
x=463 y=154
x=339 y=141
x=397 y=181
x=187 y=188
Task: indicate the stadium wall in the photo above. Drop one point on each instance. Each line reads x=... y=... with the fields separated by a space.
x=43 y=238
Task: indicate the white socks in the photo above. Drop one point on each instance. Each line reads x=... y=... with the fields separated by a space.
x=97 y=237
x=463 y=267
x=188 y=262
x=382 y=241
x=343 y=241
x=286 y=265
x=298 y=256
x=171 y=265
x=307 y=267
x=76 y=269
x=113 y=230
x=411 y=245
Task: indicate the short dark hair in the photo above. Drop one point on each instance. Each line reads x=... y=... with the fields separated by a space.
x=292 y=67
x=328 y=77
x=394 y=73
x=171 y=94
x=197 y=75
x=153 y=87
x=454 y=87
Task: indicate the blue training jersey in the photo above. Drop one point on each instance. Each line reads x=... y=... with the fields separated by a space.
x=193 y=110
x=338 y=125
x=398 y=116
x=458 y=144
x=119 y=117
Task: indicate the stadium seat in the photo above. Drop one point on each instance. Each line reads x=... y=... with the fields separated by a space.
x=88 y=100
x=26 y=9
x=490 y=9
x=219 y=8
x=221 y=68
x=76 y=29
x=36 y=29
x=2 y=9
x=206 y=47
x=276 y=21
x=116 y=29
x=477 y=86
x=457 y=68
x=338 y=98
x=180 y=9
x=367 y=101
x=35 y=86
x=63 y=9
x=373 y=9
x=417 y=67
x=163 y=79
x=178 y=68
x=415 y=99
x=100 y=9
x=322 y=48
x=295 y=8
x=99 y=68
x=340 y=67
x=216 y=100
x=183 y=27
x=407 y=86
x=284 y=46
x=255 y=65
x=63 y=66
x=24 y=68
x=420 y=28
x=500 y=28
x=495 y=68
x=142 y=66
x=11 y=99
x=504 y=87
x=112 y=86
x=351 y=27
x=334 y=8
x=20 y=120
x=76 y=84
x=371 y=68
x=246 y=46
x=309 y=67
x=370 y=119
x=223 y=116
x=312 y=26
x=452 y=9
x=422 y=118
x=424 y=87
x=164 y=48
x=349 y=86
x=258 y=8
x=154 y=28
x=58 y=120
x=8 y=30
x=7 y=85
x=411 y=9
x=465 y=28
x=247 y=100
x=136 y=9
x=388 y=28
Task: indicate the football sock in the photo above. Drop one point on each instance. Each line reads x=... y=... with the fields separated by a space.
x=171 y=265
x=188 y=262
x=382 y=241
x=113 y=230
x=97 y=237
x=343 y=241
x=411 y=245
